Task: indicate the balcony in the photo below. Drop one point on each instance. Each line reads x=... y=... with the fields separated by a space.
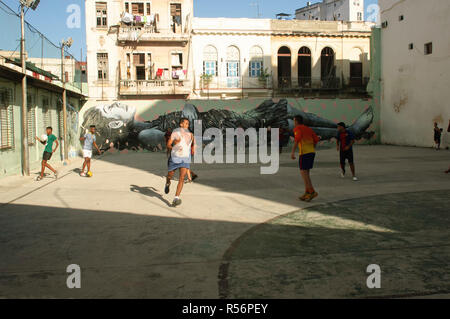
x=150 y=34
x=234 y=83
x=155 y=87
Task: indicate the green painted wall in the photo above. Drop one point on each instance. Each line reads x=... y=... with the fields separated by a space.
x=11 y=158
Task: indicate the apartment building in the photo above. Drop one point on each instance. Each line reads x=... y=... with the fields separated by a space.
x=239 y=58
x=332 y=10
x=138 y=49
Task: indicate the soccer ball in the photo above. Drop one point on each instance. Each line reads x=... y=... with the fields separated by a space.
x=89 y=174
x=44 y=138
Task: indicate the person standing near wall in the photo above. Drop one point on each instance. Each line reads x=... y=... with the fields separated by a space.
x=437 y=136
x=448 y=130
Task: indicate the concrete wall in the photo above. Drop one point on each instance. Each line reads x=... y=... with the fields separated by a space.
x=10 y=159
x=415 y=86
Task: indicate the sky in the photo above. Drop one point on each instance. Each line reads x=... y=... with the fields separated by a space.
x=51 y=16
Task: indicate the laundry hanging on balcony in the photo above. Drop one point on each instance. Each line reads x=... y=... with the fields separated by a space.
x=127 y=18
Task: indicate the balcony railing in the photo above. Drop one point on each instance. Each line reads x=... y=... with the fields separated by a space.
x=324 y=83
x=148 y=34
x=155 y=87
x=233 y=83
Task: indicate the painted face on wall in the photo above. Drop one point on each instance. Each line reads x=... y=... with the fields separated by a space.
x=113 y=122
x=119 y=114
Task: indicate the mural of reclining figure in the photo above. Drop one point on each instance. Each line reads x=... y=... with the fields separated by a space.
x=117 y=127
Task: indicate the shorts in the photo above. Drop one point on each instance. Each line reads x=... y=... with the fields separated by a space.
x=346 y=155
x=306 y=162
x=87 y=153
x=179 y=163
x=47 y=156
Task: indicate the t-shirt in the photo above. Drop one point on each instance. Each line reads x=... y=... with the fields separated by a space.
x=183 y=138
x=89 y=141
x=49 y=146
x=306 y=139
x=345 y=139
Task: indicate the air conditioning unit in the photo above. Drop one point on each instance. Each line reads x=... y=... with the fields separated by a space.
x=384 y=24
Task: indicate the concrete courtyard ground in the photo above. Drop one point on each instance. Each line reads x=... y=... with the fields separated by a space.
x=238 y=234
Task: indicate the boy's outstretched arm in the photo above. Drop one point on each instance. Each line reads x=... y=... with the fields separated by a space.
x=57 y=145
x=98 y=150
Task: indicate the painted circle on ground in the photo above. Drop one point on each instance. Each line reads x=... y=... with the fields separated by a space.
x=324 y=251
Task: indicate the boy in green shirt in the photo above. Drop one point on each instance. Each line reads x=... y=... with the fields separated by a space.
x=48 y=152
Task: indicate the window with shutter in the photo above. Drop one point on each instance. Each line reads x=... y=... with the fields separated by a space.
x=101 y=14
x=31 y=119
x=6 y=119
x=46 y=114
x=137 y=9
x=102 y=66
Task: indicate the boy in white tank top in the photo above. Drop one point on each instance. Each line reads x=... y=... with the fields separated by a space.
x=181 y=146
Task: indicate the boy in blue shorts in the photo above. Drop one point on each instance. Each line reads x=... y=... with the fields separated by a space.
x=181 y=145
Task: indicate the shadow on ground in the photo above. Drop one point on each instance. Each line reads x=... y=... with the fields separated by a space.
x=320 y=252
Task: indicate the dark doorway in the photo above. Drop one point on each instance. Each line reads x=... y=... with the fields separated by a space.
x=356 y=74
x=304 y=67
x=328 y=70
x=284 y=67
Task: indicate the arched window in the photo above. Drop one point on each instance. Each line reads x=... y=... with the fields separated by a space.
x=356 y=59
x=284 y=67
x=304 y=67
x=256 y=64
x=210 y=61
x=327 y=63
x=233 y=67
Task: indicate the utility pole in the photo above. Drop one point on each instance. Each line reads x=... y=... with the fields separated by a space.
x=25 y=153
x=64 y=99
x=64 y=44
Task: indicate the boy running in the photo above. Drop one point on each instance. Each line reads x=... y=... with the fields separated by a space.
x=345 y=140
x=89 y=140
x=306 y=140
x=48 y=152
x=181 y=146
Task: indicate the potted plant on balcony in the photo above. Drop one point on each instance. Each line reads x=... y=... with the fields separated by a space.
x=206 y=81
x=263 y=77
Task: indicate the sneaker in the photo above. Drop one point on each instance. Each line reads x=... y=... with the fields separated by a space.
x=167 y=189
x=310 y=197
x=56 y=175
x=304 y=197
x=37 y=179
x=342 y=175
x=83 y=174
x=355 y=179
x=176 y=202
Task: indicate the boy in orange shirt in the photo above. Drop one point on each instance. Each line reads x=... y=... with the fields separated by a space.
x=306 y=140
